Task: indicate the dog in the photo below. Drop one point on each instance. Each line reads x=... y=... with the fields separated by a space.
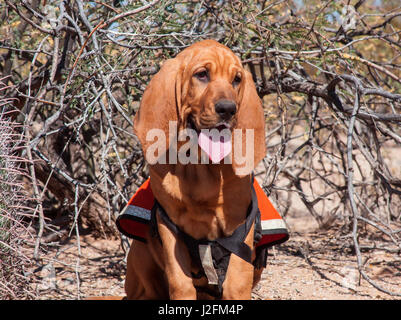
x=204 y=87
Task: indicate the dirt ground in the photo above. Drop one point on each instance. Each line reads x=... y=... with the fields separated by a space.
x=312 y=265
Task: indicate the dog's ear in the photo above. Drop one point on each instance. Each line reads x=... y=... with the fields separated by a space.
x=160 y=104
x=251 y=148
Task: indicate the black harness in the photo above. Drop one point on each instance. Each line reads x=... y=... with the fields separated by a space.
x=221 y=248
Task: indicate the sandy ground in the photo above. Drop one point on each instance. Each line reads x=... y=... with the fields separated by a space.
x=312 y=265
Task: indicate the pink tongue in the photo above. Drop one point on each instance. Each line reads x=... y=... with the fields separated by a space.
x=216 y=146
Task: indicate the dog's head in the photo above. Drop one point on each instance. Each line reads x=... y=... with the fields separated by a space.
x=205 y=87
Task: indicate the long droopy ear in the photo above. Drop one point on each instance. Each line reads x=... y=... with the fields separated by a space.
x=159 y=105
x=249 y=147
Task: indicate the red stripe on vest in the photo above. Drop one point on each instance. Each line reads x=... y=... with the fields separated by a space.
x=143 y=197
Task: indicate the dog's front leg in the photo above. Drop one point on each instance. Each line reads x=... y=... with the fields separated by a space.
x=239 y=278
x=177 y=265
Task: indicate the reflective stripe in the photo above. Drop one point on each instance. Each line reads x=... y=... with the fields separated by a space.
x=137 y=212
x=205 y=254
x=273 y=224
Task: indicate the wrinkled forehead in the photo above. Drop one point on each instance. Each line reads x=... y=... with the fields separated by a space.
x=218 y=60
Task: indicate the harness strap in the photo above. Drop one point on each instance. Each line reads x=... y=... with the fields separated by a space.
x=221 y=248
x=235 y=243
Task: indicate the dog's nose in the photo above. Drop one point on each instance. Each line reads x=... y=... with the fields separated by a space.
x=225 y=109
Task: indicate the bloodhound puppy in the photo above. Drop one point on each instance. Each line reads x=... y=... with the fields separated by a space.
x=203 y=87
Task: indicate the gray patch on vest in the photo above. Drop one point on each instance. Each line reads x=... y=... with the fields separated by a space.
x=205 y=253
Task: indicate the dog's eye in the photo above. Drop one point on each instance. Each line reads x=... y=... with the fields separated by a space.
x=202 y=75
x=237 y=80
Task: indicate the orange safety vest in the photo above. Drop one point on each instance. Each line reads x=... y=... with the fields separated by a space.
x=134 y=220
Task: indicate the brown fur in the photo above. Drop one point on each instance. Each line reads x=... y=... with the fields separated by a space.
x=204 y=200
